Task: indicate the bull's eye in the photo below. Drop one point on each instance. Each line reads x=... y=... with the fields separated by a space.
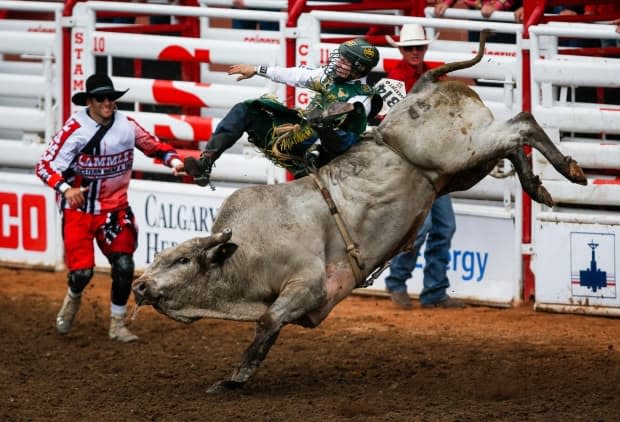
x=182 y=260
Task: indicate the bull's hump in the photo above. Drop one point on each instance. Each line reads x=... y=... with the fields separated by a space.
x=457 y=88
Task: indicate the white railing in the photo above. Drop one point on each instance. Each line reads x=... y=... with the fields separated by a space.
x=469 y=14
x=554 y=75
x=30 y=91
x=576 y=251
x=214 y=95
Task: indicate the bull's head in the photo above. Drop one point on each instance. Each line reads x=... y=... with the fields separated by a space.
x=185 y=281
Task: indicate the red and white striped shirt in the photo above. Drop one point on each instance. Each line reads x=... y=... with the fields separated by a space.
x=107 y=169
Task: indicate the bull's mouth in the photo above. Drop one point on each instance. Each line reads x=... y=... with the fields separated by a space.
x=181 y=309
x=168 y=309
x=176 y=315
x=180 y=318
x=158 y=304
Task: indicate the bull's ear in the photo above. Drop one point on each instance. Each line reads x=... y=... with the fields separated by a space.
x=222 y=252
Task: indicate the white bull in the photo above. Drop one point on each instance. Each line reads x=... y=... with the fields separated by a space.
x=276 y=255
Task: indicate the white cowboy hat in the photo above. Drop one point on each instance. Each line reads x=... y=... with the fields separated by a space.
x=411 y=34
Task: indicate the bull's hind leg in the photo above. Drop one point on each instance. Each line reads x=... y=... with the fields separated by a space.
x=296 y=299
x=465 y=179
x=529 y=181
x=536 y=137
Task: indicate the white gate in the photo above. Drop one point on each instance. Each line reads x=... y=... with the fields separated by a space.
x=576 y=242
x=29 y=72
x=211 y=97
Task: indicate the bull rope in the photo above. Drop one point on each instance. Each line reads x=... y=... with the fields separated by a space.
x=353 y=252
x=362 y=278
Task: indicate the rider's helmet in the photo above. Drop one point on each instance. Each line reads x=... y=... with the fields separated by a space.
x=362 y=55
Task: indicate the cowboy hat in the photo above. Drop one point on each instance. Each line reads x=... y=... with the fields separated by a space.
x=98 y=83
x=411 y=34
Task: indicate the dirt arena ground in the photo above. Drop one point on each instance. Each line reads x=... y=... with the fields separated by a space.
x=368 y=361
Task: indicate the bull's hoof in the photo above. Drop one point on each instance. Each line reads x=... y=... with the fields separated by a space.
x=226 y=386
x=576 y=174
x=544 y=197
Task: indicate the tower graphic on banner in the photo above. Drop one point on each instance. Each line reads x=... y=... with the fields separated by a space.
x=593 y=277
x=593 y=265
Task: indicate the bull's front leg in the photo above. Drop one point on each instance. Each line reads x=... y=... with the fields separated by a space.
x=297 y=298
x=267 y=332
x=529 y=181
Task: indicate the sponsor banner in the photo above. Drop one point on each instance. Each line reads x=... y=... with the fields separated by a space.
x=29 y=222
x=575 y=264
x=167 y=214
x=482 y=263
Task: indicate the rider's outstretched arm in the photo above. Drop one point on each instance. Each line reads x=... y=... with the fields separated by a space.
x=296 y=76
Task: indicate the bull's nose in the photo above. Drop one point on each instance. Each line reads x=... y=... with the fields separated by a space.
x=140 y=291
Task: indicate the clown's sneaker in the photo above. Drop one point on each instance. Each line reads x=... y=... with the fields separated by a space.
x=119 y=332
x=68 y=311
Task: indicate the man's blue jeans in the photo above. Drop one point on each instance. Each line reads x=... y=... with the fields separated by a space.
x=437 y=230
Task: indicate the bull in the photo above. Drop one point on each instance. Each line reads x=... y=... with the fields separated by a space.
x=288 y=253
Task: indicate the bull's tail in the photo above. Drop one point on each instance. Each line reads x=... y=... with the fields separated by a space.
x=433 y=75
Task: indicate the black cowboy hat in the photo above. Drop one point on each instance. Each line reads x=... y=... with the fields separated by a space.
x=96 y=84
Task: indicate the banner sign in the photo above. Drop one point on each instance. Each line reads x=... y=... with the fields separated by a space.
x=168 y=214
x=29 y=222
x=575 y=264
x=482 y=263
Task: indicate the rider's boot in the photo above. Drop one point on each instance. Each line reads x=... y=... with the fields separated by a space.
x=201 y=168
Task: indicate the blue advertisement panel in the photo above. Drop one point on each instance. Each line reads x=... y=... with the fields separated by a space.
x=484 y=266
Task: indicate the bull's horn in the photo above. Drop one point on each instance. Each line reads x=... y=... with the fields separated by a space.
x=224 y=235
x=215 y=239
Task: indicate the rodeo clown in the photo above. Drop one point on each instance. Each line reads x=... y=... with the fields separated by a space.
x=337 y=114
x=88 y=163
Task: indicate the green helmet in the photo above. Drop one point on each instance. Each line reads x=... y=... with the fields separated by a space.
x=362 y=55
